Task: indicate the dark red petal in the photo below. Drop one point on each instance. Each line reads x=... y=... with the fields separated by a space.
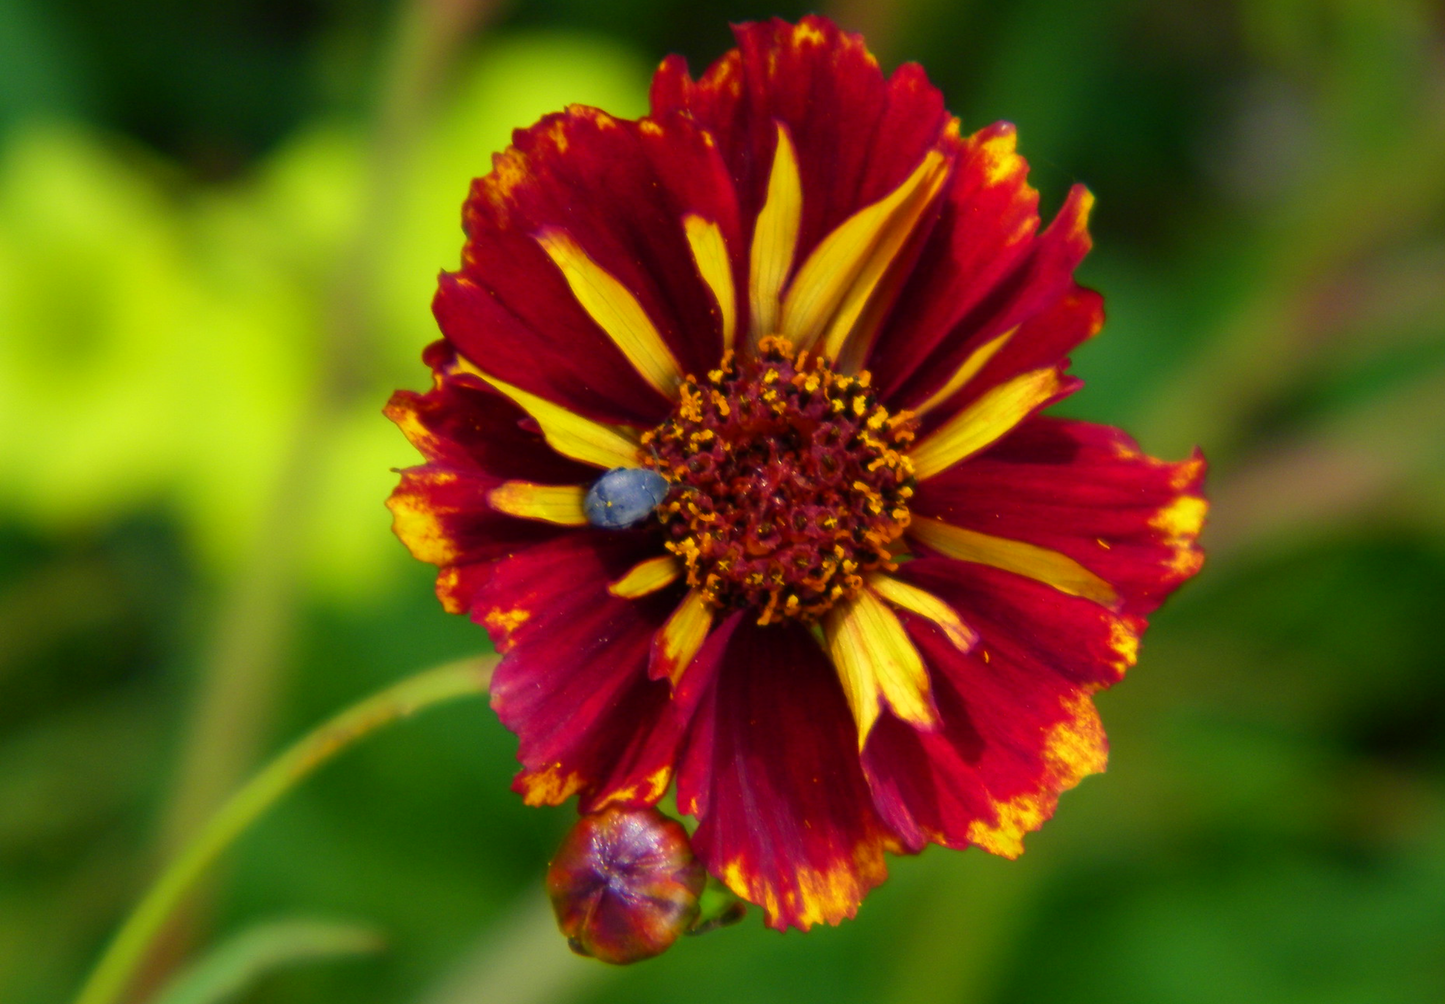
x=986 y=227
x=620 y=189
x=572 y=683
x=441 y=514
x=858 y=134
x=693 y=687
x=1071 y=641
x=462 y=424
x=983 y=273
x=770 y=767
x=1088 y=492
x=473 y=439
x=548 y=347
x=694 y=180
x=1017 y=725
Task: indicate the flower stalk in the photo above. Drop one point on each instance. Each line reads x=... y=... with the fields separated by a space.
x=241 y=670
x=113 y=973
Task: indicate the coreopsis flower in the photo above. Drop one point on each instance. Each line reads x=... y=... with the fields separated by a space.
x=844 y=587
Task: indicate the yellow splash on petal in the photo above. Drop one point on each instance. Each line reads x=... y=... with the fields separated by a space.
x=557 y=132
x=983 y=422
x=823 y=896
x=1184 y=517
x=1124 y=640
x=504 y=622
x=1186 y=474
x=550 y=785
x=1080 y=225
x=409 y=422
x=807 y=32
x=1001 y=161
x=1181 y=522
x=449 y=580
x=1185 y=561
x=648 y=791
x=419 y=525
x=509 y=172
x=1074 y=748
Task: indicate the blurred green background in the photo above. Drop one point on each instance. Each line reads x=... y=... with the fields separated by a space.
x=220 y=226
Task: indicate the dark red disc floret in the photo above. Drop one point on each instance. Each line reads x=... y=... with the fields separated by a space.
x=789 y=482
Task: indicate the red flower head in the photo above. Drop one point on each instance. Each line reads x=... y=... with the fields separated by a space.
x=880 y=587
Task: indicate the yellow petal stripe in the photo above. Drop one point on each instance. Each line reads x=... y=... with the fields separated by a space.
x=775 y=239
x=683 y=634
x=1057 y=570
x=833 y=286
x=923 y=603
x=710 y=254
x=876 y=663
x=568 y=433
x=647 y=577
x=850 y=333
x=615 y=310
x=982 y=422
x=976 y=361
x=549 y=503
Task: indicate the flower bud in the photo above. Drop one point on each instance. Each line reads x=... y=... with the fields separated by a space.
x=624 y=884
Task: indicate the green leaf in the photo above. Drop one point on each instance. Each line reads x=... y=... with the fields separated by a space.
x=238 y=962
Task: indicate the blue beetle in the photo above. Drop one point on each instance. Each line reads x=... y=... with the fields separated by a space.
x=624 y=497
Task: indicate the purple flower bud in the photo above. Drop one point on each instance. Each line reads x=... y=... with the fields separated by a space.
x=625 y=884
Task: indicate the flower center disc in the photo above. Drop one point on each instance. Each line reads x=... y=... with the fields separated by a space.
x=789 y=482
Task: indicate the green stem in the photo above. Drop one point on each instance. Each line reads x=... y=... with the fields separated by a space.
x=113 y=973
